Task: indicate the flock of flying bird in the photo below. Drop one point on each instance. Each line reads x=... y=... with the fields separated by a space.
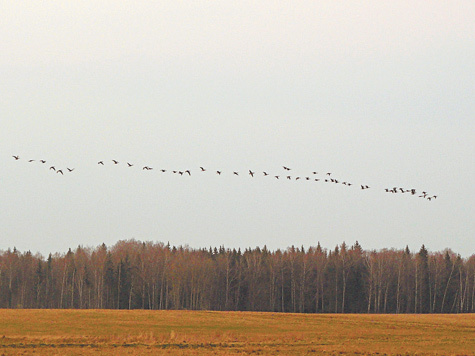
x=327 y=178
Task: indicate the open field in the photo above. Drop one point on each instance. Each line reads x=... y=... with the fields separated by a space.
x=138 y=332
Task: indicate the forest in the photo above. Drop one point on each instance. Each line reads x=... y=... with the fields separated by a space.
x=154 y=275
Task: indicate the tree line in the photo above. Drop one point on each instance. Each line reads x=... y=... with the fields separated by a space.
x=147 y=275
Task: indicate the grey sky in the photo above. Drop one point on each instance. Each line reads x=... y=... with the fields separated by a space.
x=377 y=92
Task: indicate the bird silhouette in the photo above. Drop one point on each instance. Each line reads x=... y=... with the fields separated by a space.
x=70 y=169
x=307 y=178
x=202 y=169
x=163 y=170
x=52 y=168
x=329 y=174
x=236 y=173
x=276 y=177
x=180 y=173
x=297 y=178
x=31 y=160
x=315 y=172
x=289 y=177
x=16 y=158
x=60 y=171
x=286 y=168
x=219 y=172
x=115 y=162
x=434 y=196
x=100 y=162
x=251 y=173
x=42 y=161
x=316 y=180
x=188 y=171
x=265 y=173
x=129 y=164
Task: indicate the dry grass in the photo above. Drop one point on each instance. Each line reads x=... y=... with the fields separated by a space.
x=87 y=332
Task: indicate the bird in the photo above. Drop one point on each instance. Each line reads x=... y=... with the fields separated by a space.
x=188 y=171
x=180 y=173
x=59 y=171
x=16 y=158
x=236 y=173
x=42 y=161
x=429 y=198
x=31 y=160
x=307 y=178
x=265 y=173
x=175 y=172
x=202 y=169
x=163 y=170
x=115 y=162
x=349 y=184
x=70 y=169
x=146 y=168
x=286 y=168
x=329 y=174
x=251 y=173
x=434 y=196
x=387 y=190
x=362 y=187
x=129 y=164
x=314 y=172
x=52 y=168
x=218 y=172
x=316 y=180
x=289 y=177
x=297 y=178
x=276 y=177
x=100 y=162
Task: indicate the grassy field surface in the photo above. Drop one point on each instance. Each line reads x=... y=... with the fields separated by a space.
x=111 y=332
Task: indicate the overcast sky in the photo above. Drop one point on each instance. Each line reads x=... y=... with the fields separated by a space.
x=377 y=92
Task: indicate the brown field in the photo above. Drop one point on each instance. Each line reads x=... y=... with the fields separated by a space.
x=111 y=332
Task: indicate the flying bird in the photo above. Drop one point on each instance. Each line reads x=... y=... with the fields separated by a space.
x=115 y=162
x=163 y=170
x=315 y=172
x=202 y=169
x=286 y=168
x=70 y=169
x=251 y=173
x=188 y=171
x=52 y=168
x=16 y=158
x=329 y=174
x=289 y=177
x=31 y=160
x=100 y=162
x=218 y=172
x=60 y=171
x=42 y=161
x=129 y=164
x=236 y=173
x=265 y=173
x=276 y=177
